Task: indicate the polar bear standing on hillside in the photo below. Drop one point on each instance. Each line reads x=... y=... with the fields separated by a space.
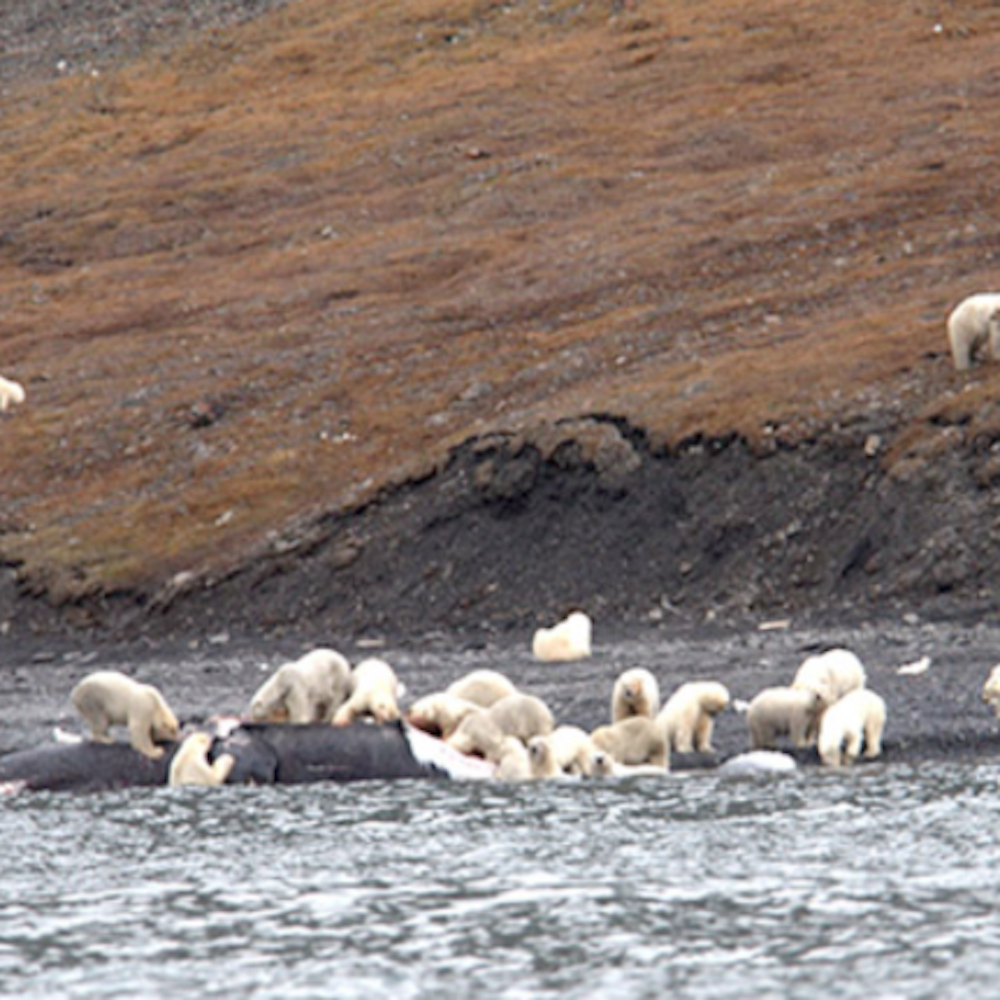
x=11 y=393
x=569 y=640
x=108 y=698
x=972 y=324
x=309 y=689
x=857 y=720
x=689 y=715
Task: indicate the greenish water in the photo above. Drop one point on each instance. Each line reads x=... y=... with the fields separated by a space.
x=881 y=882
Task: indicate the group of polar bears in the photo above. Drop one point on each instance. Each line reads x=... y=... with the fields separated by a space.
x=318 y=687
x=484 y=714
x=827 y=705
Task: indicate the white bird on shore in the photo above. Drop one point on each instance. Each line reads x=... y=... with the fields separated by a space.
x=915 y=668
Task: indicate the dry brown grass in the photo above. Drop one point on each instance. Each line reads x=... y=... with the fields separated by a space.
x=264 y=275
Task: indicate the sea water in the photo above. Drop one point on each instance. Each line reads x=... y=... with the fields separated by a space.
x=881 y=881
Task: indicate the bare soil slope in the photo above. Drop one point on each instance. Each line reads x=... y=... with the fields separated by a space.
x=438 y=311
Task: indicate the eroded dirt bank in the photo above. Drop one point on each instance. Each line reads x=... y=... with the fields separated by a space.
x=515 y=530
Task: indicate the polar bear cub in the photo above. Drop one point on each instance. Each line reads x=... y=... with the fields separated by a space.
x=375 y=692
x=568 y=640
x=857 y=720
x=190 y=764
x=783 y=711
x=309 y=689
x=109 y=698
x=11 y=393
x=636 y=692
x=688 y=717
x=971 y=325
x=991 y=691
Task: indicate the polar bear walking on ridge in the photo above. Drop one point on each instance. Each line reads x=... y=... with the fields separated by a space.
x=857 y=720
x=108 y=698
x=972 y=324
x=11 y=393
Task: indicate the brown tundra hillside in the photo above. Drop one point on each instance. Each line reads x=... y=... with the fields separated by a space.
x=435 y=313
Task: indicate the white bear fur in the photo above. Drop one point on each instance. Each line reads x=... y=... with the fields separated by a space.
x=513 y=762
x=484 y=687
x=190 y=765
x=440 y=714
x=971 y=327
x=542 y=758
x=309 y=689
x=11 y=393
x=568 y=640
x=688 y=717
x=109 y=698
x=519 y=715
x=574 y=751
x=636 y=692
x=856 y=721
x=782 y=711
x=374 y=693
x=991 y=690
x=831 y=675
x=479 y=736
x=633 y=741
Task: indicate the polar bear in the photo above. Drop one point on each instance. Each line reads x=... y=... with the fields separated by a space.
x=522 y=715
x=689 y=715
x=11 y=393
x=542 y=758
x=831 y=675
x=636 y=692
x=109 y=698
x=440 y=714
x=783 y=711
x=479 y=736
x=190 y=765
x=991 y=691
x=633 y=741
x=568 y=640
x=513 y=762
x=309 y=689
x=519 y=715
x=971 y=325
x=857 y=720
x=484 y=687
x=374 y=693
x=574 y=751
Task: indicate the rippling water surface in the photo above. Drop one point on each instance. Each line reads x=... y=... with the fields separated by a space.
x=880 y=882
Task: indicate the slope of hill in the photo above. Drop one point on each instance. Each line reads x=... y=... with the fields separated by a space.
x=449 y=312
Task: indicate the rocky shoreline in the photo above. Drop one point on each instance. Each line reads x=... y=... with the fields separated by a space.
x=935 y=715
